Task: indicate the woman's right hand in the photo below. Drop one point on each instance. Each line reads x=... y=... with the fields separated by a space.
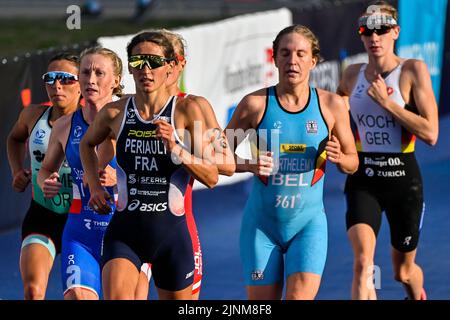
x=21 y=180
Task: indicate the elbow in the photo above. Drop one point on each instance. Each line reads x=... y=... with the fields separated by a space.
x=431 y=139
x=227 y=170
x=352 y=167
x=355 y=167
x=211 y=180
x=85 y=149
x=352 y=171
x=429 y=134
x=431 y=142
x=85 y=144
x=349 y=171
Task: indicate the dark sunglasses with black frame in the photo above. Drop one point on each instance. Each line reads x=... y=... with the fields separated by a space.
x=380 y=30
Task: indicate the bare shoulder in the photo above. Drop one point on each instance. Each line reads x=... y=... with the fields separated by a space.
x=352 y=70
x=204 y=104
x=416 y=68
x=207 y=111
x=333 y=107
x=113 y=109
x=256 y=96
x=249 y=111
x=191 y=105
x=200 y=100
x=256 y=100
x=330 y=100
x=31 y=114
x=348 y=79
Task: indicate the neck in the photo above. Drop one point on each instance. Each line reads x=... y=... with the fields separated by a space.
x=297 y=90
x=91 y=109
x=60 y=111
x=173 y=90
x=150 y=104
x=383 y=64
x=100 y=103
x=293 y=98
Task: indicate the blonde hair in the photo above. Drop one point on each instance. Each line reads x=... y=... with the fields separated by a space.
x=304 y=31
x=178 y=44
x=116 y=61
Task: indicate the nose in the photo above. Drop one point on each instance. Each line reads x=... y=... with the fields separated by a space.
x=91 y=77
x=146 y=67
x=291 y=58
x=56 y=85
x=374 y=36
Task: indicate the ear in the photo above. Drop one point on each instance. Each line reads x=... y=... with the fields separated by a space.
x=171 y=66
x=117 y=81
x=183 y=63
x=129 y=70
x=396 y=32
x=314 y=62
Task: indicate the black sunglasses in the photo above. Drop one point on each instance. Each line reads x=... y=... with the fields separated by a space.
x=366 y=31
x=152 y=61
x=63 y=77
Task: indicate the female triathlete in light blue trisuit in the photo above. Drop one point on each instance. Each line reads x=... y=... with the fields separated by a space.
x=298 y=128
x=285 y=215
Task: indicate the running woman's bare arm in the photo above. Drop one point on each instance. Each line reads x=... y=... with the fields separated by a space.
x=47 y=178
x=424 y=125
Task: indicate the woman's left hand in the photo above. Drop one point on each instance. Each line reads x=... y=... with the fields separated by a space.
x=333 y=149
x=108 y=176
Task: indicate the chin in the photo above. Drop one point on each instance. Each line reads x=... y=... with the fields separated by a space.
x=377 y=54
x=90 y=100
x=294 y=81
x=147 y=89
x=58 y=103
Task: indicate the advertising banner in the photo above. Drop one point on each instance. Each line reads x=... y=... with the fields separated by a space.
x=422 y=35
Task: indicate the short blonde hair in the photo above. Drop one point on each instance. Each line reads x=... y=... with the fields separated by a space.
x=178 y=44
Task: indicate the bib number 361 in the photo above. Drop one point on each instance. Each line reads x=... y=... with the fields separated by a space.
x=286 y=202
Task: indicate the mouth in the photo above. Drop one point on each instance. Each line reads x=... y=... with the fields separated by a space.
x=292 y=73
x=146 y=81
x=90 y=91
